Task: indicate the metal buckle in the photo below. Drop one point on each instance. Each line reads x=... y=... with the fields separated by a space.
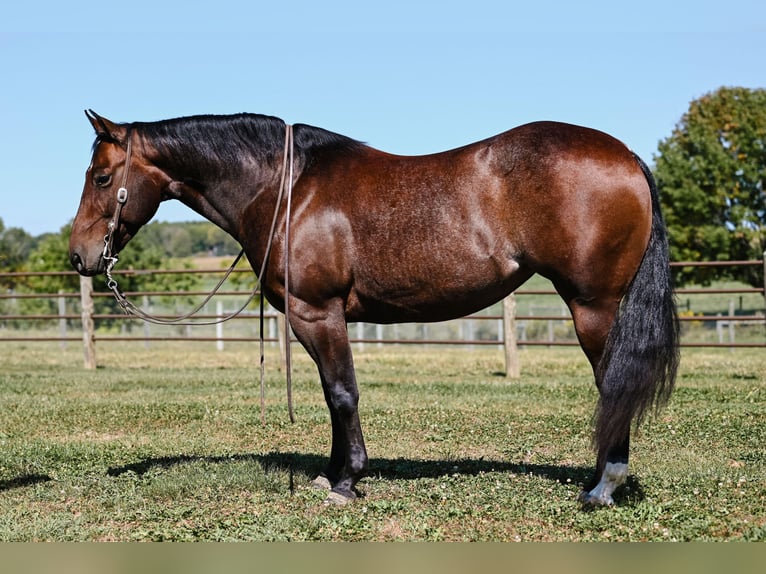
x=106 y=252
x=122 y=195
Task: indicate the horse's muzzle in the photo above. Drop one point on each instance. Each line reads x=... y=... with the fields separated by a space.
x=77 y=262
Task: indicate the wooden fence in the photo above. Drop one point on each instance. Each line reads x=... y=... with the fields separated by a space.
x=507 y=325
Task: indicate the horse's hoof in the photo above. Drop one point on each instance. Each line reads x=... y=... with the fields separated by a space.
x=338 y=499
x=590 y=500
x=321 y=482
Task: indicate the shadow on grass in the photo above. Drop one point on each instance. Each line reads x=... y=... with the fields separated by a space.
x=23 y=480
x=385 y=468
x=395 y=469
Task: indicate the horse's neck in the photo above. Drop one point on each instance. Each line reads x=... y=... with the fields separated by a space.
x=224 y=201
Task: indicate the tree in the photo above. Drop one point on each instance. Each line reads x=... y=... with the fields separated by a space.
x=15 y=246
x=710 y=173
x=190 y=238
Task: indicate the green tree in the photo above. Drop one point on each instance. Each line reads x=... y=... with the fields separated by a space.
x=50 y=254
x=220 y=242
x=15 y=246
x=189 y=238
x=710 y=173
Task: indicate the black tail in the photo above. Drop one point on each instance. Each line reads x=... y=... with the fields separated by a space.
x=638 y=367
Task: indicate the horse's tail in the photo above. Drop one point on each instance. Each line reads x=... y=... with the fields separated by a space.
x=638 y=367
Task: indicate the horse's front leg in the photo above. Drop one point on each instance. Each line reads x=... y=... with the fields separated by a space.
x=325 y=337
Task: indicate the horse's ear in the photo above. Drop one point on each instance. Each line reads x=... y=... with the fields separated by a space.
x=105 y=127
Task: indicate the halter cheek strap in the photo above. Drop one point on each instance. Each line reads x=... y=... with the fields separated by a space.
x=122 y=197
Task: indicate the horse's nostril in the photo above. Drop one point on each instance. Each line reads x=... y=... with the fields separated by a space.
x=76 y=262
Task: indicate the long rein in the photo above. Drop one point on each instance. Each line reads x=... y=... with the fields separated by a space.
x=285 y=188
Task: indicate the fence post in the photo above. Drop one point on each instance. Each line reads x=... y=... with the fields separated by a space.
x=88 y=329
x=719 y=329
x=219 y=326
x=273 y=325
x=512 y=367
x=360 y=335
x=281 y=335
x=62 y=318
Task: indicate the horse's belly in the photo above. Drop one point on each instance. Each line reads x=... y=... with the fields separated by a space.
x=438 y=295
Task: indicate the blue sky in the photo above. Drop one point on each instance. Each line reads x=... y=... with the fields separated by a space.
x=405 y=76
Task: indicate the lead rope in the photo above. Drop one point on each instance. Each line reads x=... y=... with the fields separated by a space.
x=131 y=309
x=288 y=351
x=286 y=182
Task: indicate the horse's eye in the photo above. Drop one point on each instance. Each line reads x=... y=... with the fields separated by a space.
x=102 y=180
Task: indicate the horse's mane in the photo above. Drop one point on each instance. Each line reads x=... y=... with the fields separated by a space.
x=220 y=143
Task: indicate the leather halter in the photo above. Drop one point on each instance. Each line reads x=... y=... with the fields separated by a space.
x=122 y=197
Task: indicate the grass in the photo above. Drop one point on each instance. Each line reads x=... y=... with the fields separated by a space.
x=166 y=444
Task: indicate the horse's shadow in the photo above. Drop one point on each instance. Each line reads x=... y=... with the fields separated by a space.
x=395 y=469
x=23 y=480
x=385 y=468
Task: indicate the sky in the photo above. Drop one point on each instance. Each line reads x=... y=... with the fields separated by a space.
x=407 y=77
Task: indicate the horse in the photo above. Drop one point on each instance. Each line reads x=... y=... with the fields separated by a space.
x=385 y=238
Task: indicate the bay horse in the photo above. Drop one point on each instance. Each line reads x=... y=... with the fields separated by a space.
x=384 y=238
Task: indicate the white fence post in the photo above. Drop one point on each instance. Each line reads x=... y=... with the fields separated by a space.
x=282 y=335
x=360 y=335
x=512 y=367
x=219 y=326
x=273 y=327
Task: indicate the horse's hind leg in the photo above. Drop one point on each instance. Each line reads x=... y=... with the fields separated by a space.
x=592 y=322
x=613 y=472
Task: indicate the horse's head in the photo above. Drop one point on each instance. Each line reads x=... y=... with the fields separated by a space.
x=122 y=192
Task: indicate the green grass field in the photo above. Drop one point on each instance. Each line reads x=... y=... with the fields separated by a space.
x=167 y=444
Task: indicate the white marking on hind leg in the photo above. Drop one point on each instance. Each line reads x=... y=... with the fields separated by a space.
x=613 y=476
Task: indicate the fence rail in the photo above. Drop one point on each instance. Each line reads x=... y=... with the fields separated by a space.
x=486 y=328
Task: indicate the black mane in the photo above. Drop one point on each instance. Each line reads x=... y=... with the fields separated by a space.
x=212 y=143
